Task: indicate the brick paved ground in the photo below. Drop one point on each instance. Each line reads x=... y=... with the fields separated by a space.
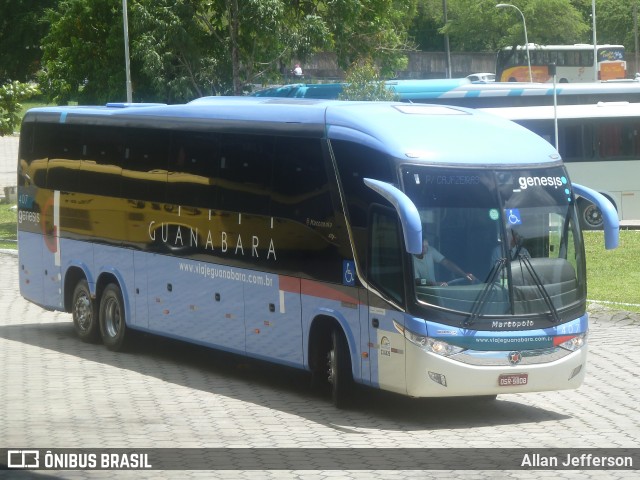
x=57 y=392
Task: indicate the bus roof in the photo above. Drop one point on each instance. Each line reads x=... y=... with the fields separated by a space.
x=457 y=88
x=577 y=46
x=546 y=112
x=425 y=89
x=416 y=133
x=302 y=90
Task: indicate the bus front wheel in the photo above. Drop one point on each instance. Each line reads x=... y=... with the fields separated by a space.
x=83 y=312
x=113 y=328
x=339 y=369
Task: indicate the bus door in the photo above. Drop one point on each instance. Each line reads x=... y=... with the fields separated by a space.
x=386 y=275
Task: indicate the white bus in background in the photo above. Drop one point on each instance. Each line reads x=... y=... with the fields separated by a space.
x=600 y=146
x=574 y=63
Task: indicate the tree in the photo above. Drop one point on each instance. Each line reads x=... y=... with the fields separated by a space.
x=83 y=52
x=477 y=25
x=258 y=37
x=174 y=50
x=371 y=29
x=425 y=26
x=188 y=48
x=21 y=29
x=221 y=46
x=363 y=83
x=615 y=22
x=11 y=95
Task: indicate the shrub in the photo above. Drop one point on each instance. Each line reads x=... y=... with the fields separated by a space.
x=11 y=95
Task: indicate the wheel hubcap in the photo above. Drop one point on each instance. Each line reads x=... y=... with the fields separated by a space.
x=593 y=216
x=83 y=312
x=112 y=318
x=331 y=364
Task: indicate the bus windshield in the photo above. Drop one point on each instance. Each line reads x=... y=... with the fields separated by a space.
x=496 y=243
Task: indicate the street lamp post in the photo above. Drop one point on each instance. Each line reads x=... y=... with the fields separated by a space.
x=526 y=39
x=595 y=41
x=125 y=21
x=447 y=50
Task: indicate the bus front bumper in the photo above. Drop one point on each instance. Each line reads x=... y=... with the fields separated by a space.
x=432 y=375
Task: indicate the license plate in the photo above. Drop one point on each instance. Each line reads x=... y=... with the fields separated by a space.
x=513 y=379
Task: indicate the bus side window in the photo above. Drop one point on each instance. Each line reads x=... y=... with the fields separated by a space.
x=629 y=140
x=542 y=128
x=245 y=173
x=144 y=173
x=300 y=182
x=101 y=164
x=385 y=261
x=356 y=162
x=34 y=141
x=571 y=143
x=193 y=169
x=64 y=157
x=609 y=140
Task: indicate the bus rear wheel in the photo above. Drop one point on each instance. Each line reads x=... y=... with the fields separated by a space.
x=339 y=369
x=590 y=216
x=83 y=312
x=113 y=328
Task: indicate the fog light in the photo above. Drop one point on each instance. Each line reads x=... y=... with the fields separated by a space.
x=575 y=372
x=438 y=378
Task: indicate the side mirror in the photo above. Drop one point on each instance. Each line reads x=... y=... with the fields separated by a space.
x=609 y=214
x=407 y=211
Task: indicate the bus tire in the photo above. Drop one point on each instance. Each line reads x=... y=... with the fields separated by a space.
x=84 y=314
x=590 y=216
x=113 y=327
x=339 y=369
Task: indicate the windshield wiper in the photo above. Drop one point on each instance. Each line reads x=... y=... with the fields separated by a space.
x=543 y=291
x=481 y=301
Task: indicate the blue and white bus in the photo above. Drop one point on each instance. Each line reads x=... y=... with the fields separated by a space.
x=465 y=93
x=290 y=230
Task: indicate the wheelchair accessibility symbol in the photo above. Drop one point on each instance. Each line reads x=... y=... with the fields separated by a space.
x=348 y=273
x=513 y=216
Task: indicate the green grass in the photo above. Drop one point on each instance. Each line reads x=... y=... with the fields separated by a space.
x=8 y=223
x=614 y=275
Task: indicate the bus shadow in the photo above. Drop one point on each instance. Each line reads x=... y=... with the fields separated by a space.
x=280 y=388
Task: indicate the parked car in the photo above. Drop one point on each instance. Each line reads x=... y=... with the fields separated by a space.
x=482 y=77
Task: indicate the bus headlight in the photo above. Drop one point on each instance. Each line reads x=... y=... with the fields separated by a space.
x=429 y=344
x=575 y=343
